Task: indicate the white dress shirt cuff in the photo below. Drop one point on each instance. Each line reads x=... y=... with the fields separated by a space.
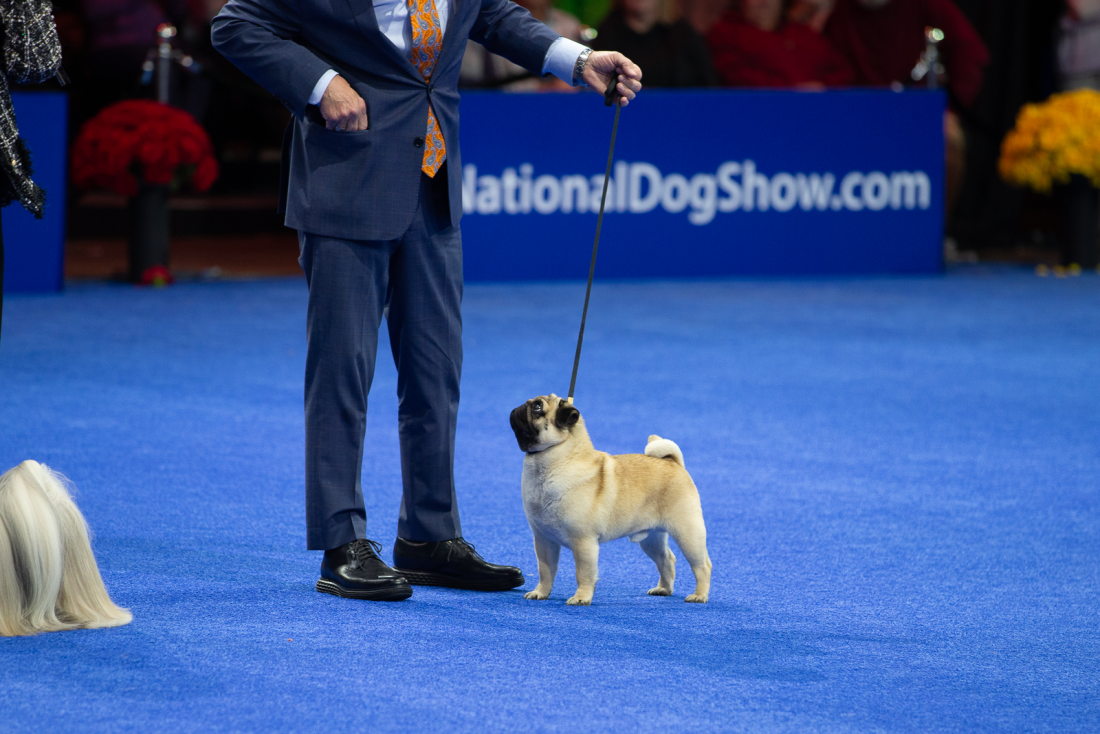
x=321 y=86
x=561 y=58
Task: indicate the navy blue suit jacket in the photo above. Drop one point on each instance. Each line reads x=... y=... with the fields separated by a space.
x=364 y=185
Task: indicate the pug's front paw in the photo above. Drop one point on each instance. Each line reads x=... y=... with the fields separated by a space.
x=577 y=601
x=536 y=594
x=697 y=598
x=659 y=591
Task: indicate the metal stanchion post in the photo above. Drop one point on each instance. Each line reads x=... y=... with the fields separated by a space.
x=165 y=32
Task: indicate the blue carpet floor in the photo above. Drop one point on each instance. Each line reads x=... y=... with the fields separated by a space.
x=899 y=477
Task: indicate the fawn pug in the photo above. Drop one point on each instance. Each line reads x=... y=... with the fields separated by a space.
x=579 y=497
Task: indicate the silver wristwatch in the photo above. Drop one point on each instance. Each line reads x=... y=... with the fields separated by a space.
x=578 y=68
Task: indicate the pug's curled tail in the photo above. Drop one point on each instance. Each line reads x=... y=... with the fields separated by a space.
x=662 y=448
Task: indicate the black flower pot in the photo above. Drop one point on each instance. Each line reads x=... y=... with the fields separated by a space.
x=1082 y=223
x=148 y=230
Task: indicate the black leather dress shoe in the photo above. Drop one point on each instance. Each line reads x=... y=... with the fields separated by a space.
x=451 y=563
x=355 y=571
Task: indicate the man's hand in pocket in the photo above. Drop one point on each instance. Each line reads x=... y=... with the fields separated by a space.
x=342 y=107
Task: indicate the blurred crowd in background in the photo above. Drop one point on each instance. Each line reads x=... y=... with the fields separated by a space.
x=997 y=55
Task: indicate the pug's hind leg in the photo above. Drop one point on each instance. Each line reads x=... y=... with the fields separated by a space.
x=548 y=552
x=586 y=555
x=691 y=536
x=656 y=547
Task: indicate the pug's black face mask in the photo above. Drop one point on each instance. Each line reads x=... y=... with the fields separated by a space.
x=521 y=426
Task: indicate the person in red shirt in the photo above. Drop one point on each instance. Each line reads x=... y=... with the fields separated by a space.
x=883 y=40
x=752 y=46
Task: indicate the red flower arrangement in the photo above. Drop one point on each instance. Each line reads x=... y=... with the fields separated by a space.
x=141 y=139
x=157 y=276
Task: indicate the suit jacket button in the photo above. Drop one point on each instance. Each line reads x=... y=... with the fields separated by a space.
x=418 y=143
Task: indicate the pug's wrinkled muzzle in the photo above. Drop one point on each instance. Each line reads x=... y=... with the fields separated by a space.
x=521 y=426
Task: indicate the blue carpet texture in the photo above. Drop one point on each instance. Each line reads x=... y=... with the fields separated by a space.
x=899 y=479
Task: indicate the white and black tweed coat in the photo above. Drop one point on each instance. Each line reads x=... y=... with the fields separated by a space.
x=32 y=54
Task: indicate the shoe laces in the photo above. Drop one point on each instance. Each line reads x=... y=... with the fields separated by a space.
x=362 y=549
x=465 y=545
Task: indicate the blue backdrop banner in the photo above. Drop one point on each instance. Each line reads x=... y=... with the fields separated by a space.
x=35 y=248
x=704 y=183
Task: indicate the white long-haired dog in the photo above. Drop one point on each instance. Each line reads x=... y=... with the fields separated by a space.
x=49 y=580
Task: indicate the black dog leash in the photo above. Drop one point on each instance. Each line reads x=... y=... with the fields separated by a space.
x=611 y=97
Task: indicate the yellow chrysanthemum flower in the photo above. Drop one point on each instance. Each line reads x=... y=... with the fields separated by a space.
x=1054 y=140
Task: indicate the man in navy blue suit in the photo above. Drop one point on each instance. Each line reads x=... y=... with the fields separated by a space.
x=372 y=182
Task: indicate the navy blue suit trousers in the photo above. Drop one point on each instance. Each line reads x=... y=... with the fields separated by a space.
x=416 y=282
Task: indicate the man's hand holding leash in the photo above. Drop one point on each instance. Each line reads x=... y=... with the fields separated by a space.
x=603 y=66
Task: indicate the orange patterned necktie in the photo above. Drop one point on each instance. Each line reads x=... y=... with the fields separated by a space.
x=427 y=37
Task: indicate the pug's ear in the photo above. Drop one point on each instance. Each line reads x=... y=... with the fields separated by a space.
x=566 y=416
